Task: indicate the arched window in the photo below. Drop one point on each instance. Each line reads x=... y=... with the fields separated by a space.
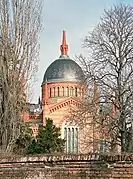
x=54 y=91
x=71 y=138
x=71 y=91
x=76 y=91
x=50 y=93
x=67 y=92
x=58 y=91
x=102 y=145
x=62 y=91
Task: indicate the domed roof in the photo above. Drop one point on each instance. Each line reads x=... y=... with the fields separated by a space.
x=63 y=69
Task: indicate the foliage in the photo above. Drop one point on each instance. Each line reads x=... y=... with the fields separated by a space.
x=48 y=140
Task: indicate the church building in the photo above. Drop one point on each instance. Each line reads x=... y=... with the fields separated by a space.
x=61 y=89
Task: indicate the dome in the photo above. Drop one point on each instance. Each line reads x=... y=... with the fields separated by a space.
x=63 y=69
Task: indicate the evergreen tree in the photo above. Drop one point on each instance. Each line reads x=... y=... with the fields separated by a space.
x=48 y=140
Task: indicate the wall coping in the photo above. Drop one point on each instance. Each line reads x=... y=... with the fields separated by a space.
x=69 y=157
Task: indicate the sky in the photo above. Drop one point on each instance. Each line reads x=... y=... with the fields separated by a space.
x=77 y=18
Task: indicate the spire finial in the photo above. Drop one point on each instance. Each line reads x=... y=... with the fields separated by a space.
x=64 y=46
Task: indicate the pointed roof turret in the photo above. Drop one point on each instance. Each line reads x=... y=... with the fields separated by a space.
x=39 y=100
x=64 y=46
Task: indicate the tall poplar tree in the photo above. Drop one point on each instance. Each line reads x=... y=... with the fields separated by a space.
x=20 y=22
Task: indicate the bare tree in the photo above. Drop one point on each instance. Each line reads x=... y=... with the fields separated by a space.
x=87 y=116
x=20 y=22
x=110 y=61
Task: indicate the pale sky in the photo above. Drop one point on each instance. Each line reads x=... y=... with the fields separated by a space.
x=76 y=17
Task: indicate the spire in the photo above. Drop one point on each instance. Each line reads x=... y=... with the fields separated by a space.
x=39 y=100
x=64 y=46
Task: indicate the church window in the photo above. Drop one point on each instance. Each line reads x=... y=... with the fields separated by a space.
x=71 y=91
x=62 y=91
x=67 y=91
x=58 y=91
x=71 y=138
x=76 y=140
x=76 y=91
x=54 y=91
x=50 y=93
x=65 y=137
x=102 y=145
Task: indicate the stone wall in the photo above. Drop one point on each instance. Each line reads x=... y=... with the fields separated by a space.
x=90 y=166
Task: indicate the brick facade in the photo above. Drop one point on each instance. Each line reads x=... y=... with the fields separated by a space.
x=90 y=166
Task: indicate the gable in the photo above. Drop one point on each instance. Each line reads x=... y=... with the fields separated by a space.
x=65 y=103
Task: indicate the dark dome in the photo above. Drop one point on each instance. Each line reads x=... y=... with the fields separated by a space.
x=62 y=70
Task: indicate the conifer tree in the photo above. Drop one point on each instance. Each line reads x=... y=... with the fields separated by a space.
x=48 y=140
